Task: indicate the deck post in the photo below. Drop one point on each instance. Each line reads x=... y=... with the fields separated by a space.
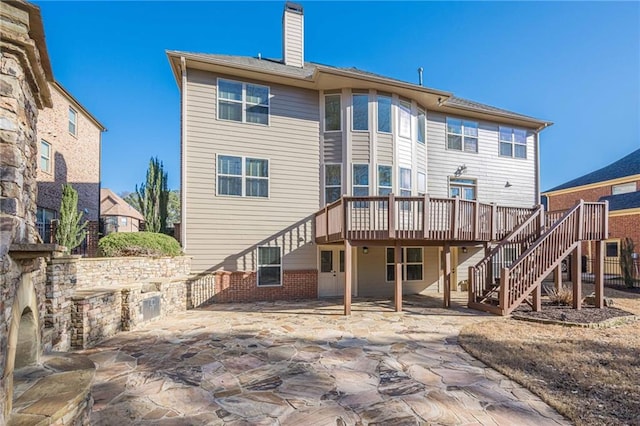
x=581 y=221
x=454 y=218
x=504 y=290
x=476 y=221
x=425 y=216
x=326 y=223
x=557 y=276
x=398 y=273
x=471 y=284
x=446 y=262
x=576 y=276
x=494 y=221
x=598 y=272
x=347 y=277
x=345 y=221
x=537 y=298
x=391 y=219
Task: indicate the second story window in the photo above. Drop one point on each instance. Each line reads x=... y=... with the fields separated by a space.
x=73 y=121
x=332 y=182
x=360 y=180
x=384 y=114
x=243 y=176
x=332 y=113
x=462 y=135
x=422 y=184
x=405 y=182
x=513 y=142
x=404 y=119
x=360 y=112
x=243 y=102
x=385 y=180
x=422 y=118
x=45 y=156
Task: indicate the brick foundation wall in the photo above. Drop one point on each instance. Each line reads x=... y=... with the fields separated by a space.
x=567 y=200
x=626 y=226
x=242 y=287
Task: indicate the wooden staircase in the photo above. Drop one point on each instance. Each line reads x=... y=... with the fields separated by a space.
x=514 y=269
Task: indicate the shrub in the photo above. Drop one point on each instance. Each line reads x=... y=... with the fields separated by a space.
x=563 y=296
x=138 y=244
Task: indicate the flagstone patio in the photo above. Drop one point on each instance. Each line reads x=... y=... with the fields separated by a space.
x=303 y=363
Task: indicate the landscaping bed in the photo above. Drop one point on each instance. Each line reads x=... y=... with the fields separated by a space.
x=588 y=315
x=590 y=375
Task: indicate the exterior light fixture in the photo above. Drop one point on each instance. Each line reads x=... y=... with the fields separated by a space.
x=464 y=249
x=365 y=250
x=507 y=185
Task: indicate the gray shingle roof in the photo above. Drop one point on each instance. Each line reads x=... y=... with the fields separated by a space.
x=630 y=200
x=466 y=103
x=626 y=166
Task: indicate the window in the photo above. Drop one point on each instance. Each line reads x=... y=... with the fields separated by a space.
x=360 y=112
x=422 y=184
x=332 y=113
x=462 y=135
x=412 y=264
x=513 y=142
x=73 y=121
x=463 y=188
x=360 y=180
x=384 y=113
x=611 y=249
x=422 y=119
x=243 y=176
x=405 y=182
x=45 y=156
x=385 y=180
x=269 y=266
x=332 y=182
x=43 y=223
x=326 y=261
x=623 y=188
x=404 y=112
x=243 y=102
x=123 y=220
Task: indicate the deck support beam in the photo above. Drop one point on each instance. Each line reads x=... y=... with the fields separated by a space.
x=446 y=264
x=557 y=277
x=576 y=276
x=348 y=260
x=598 y=272
x=537 y=298
x=398 y=275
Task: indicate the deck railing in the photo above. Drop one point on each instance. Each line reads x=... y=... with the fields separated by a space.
x=585 y=221
x=412 y=218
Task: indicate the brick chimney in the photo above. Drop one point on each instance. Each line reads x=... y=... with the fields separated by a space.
x=293 y=35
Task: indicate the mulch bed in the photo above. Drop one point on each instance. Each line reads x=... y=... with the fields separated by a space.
x=586 y=315
x=635 y=290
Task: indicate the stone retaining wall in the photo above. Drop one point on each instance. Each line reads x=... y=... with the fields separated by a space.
x=114 y=271
x=95 y=316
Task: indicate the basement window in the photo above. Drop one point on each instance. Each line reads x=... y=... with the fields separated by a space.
x=269 y=266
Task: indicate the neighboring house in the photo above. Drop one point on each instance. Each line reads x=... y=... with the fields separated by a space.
x=267 y=143
x=69 y=139
x=619 y=184
x=118 y=215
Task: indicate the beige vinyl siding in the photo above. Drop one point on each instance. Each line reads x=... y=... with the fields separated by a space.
x=405 y=153
x=360 y=147
x=385 y=148
x=224 y=232
x=490 y=169
x=421 y=159
x=333 y=147
x=372 y=273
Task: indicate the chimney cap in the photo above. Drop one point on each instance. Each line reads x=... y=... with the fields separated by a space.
x=293 y=7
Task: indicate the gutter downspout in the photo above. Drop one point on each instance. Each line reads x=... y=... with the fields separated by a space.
x=183 y=155
x=538 y=200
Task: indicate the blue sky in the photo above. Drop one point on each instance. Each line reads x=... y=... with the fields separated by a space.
x=574 y=63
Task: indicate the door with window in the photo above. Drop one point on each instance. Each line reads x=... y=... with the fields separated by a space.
x=331 y=275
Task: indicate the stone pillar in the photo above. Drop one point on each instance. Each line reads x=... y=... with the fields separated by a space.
x=62 y=276
x=24 y=72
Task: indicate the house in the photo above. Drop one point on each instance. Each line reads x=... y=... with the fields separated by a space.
x=68 y=152
x=619 y=185
x=303 y=180
x=117 y=215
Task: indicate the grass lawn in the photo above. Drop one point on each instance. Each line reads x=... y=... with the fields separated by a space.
x=592 y=376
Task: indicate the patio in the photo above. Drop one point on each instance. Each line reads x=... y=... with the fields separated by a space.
x=293 y=363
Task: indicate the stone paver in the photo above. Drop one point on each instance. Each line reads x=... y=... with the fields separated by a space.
x=303 y=363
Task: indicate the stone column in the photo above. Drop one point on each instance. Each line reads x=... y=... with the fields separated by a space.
x=24 y=72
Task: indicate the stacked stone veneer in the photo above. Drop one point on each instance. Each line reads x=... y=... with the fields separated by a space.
x=242 y=286
x=89 y=300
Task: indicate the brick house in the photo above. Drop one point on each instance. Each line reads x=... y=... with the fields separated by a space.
x=116 y=214
x=69 y=144
x=619 y=184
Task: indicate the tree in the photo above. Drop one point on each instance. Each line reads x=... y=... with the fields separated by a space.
x=153 y=196
x=173 y=204
x=70 y=232
x=627 y=262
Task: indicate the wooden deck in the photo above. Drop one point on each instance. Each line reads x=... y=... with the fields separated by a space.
x=425 y=219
